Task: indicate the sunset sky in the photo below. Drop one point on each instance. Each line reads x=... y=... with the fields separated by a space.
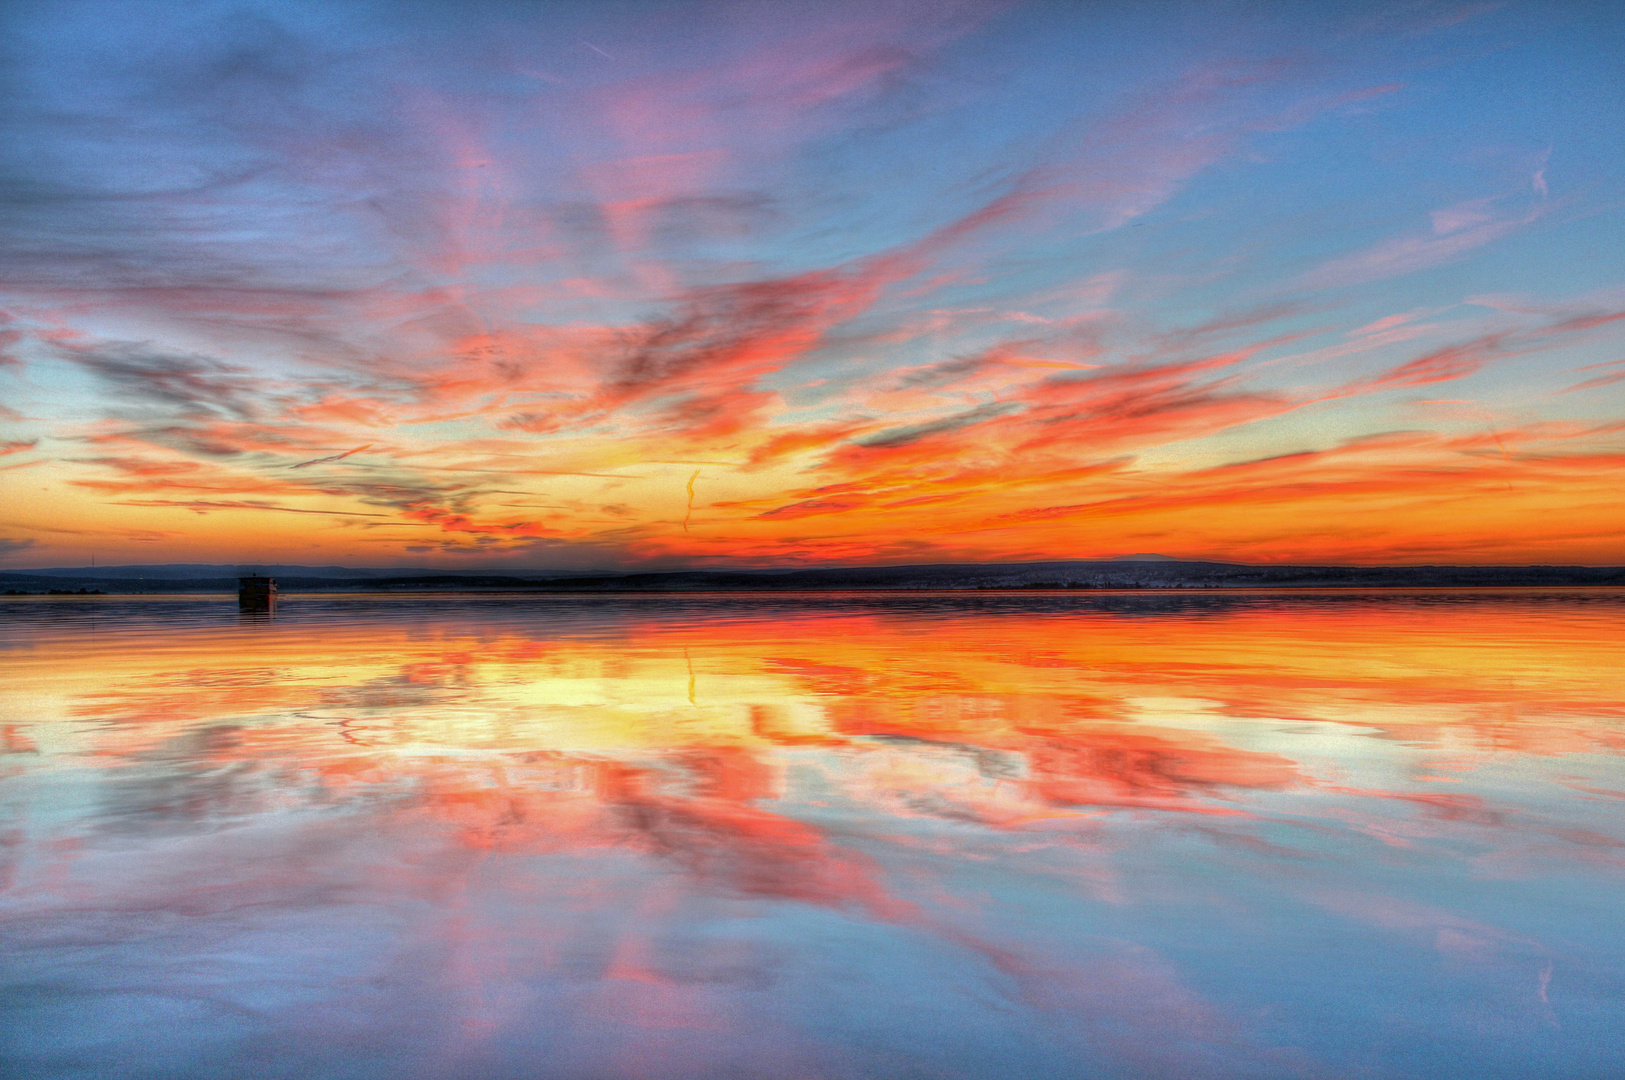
x=590 y=285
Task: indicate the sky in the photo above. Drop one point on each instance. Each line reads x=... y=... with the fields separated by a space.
x=580 y=285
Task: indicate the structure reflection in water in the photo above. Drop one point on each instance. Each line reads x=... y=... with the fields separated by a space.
x=837 y=837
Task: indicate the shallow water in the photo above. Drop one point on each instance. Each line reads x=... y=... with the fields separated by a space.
x=927 y=835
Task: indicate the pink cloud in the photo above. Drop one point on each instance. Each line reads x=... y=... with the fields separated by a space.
x=1456 y=231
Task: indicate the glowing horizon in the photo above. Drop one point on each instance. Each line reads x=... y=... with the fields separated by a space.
x=672 y=284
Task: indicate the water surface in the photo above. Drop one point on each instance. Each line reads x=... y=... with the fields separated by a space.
x=929 y=835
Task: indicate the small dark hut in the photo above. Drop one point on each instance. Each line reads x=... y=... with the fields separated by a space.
x=256 y=593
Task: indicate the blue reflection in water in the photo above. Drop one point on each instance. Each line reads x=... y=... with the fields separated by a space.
x=989 y=835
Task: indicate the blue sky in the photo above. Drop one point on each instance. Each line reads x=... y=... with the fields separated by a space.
x=487 y=283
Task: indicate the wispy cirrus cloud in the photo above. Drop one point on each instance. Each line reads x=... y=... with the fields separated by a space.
x=1457 y=230
x=1597 y=382
x=889 y=277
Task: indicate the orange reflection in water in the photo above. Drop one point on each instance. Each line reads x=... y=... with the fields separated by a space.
x=577 y=793
x=1119 y=709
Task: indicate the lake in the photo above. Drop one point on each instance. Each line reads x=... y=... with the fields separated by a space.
x=984 y=835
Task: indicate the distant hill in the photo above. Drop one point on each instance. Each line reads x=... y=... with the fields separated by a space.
x=1130 y=572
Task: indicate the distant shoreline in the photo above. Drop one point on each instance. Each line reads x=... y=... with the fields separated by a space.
x=1197 y=590
x=1068 y=577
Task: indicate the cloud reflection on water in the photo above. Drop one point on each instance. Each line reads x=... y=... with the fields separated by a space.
x=858 y=836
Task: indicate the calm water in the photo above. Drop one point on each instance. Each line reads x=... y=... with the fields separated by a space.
x=991 y=836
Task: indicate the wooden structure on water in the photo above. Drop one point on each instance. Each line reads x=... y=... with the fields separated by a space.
x=255 y=593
